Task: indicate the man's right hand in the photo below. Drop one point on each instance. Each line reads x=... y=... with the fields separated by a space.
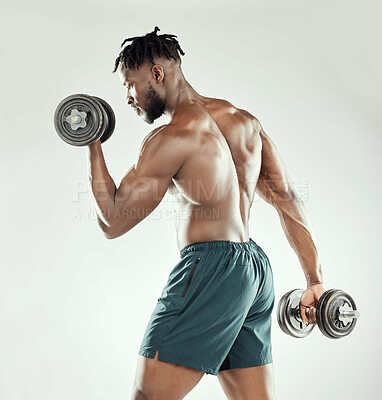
x=309 y=299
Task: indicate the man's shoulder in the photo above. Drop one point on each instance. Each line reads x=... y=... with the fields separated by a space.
x=186 y=123
x=223 y=106
x=196 y=114
x=229 y=112
x=150 y=136
x=166 y=135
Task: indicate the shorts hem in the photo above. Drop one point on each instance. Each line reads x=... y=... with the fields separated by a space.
x=255 y=363
x=176 y=360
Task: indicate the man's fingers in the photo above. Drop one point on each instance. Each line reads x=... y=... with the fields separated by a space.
x=303 y=314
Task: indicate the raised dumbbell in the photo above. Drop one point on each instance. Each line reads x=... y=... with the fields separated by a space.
x=336 y=314
x=81 y=119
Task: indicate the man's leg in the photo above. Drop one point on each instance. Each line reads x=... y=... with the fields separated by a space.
x=159 y=380
x=253 y=383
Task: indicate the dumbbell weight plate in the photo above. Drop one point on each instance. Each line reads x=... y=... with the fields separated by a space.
x=110 y=117
x=328 y=313
x=281 y=313
x=288 y=315
x=95 y=123
x=319 y=311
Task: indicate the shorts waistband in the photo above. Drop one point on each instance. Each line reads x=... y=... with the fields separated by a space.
x=217 y=245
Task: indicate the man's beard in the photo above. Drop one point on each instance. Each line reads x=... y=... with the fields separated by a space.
x=155 y=105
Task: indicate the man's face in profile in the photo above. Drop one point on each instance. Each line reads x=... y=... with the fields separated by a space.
x=141 y=95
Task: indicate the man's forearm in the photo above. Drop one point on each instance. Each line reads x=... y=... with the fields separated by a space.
x=102 y=186
x=297 y=229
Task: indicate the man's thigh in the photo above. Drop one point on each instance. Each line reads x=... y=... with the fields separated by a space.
x=253 y=383
x=159 y=380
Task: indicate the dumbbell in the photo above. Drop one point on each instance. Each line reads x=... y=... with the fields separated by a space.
x=336 y=314
x=81 y=119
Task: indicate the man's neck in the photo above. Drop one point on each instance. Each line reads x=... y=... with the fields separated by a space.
x=180 y=91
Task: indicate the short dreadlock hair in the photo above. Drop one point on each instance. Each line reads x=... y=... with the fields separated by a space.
x=145 y=48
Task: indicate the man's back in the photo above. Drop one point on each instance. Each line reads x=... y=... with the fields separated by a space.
x=216 y=185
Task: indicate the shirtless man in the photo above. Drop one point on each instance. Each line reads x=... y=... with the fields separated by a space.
x=214 y=314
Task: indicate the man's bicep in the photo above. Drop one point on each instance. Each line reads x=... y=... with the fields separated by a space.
x=160 y=158
x=137 y=189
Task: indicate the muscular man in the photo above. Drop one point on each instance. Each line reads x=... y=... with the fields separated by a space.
x=214 y=314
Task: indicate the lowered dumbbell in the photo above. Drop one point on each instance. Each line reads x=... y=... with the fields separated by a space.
x=336 y=314
x=81 y=119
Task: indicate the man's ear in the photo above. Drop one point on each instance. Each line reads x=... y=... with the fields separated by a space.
x=158 y=73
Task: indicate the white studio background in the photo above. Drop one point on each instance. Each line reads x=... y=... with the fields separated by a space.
x=73 y=305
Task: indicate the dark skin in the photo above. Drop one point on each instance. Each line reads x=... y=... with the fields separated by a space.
x=211 y=156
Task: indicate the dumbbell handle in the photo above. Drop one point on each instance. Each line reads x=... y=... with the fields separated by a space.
x=350 y=314
x=311 y=314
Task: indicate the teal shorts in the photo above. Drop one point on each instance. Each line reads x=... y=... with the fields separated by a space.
x=215 y=310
